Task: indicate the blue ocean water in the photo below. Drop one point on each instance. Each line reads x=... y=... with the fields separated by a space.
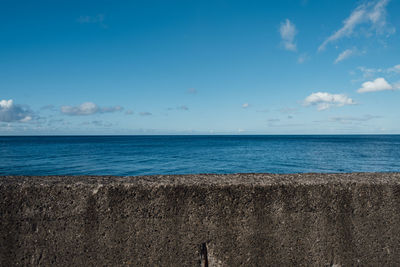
x=146 y=155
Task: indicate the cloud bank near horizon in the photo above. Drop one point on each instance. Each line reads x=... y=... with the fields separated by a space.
x=88 y=108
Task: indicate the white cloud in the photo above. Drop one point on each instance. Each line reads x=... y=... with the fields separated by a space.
x=325 y=101
x=372 y=13
x=10 y=112
x=344 y=55
x=379 y=84
x=145 y=113
x=288 y=33
x=88 y=108
x=6 y=104
x=245 y=105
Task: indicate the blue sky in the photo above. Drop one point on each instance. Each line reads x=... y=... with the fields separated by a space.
x=199 y=67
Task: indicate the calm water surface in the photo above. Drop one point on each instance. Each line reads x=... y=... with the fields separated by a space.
x=143 y=155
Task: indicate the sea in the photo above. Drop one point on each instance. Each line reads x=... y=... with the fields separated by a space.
x=188 y=154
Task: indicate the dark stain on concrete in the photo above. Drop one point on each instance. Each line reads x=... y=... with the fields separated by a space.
x=203 y=255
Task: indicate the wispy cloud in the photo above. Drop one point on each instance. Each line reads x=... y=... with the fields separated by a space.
x=344 y=55
x=48 y=107
x=369 y=73
x=183 y=107
x=379 y=84
x=53 y=122
x=245 y=105
x=288 y=110
x=276 y=123
x=394 y=69
x=288 y=33
x=10 y=112
x=371 y=14
x=98 y=19
x=351 y=119
x=192 y=91
x=97 y=123
x=145 y=113
x=88 y=108
x=325 y=100
x=302 y=58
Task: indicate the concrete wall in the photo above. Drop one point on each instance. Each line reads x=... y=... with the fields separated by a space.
x=193 y=220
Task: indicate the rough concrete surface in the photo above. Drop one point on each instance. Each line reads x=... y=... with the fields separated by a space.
x=199 y=220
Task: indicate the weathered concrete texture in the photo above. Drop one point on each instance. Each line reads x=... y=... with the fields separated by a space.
x=225 y=220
